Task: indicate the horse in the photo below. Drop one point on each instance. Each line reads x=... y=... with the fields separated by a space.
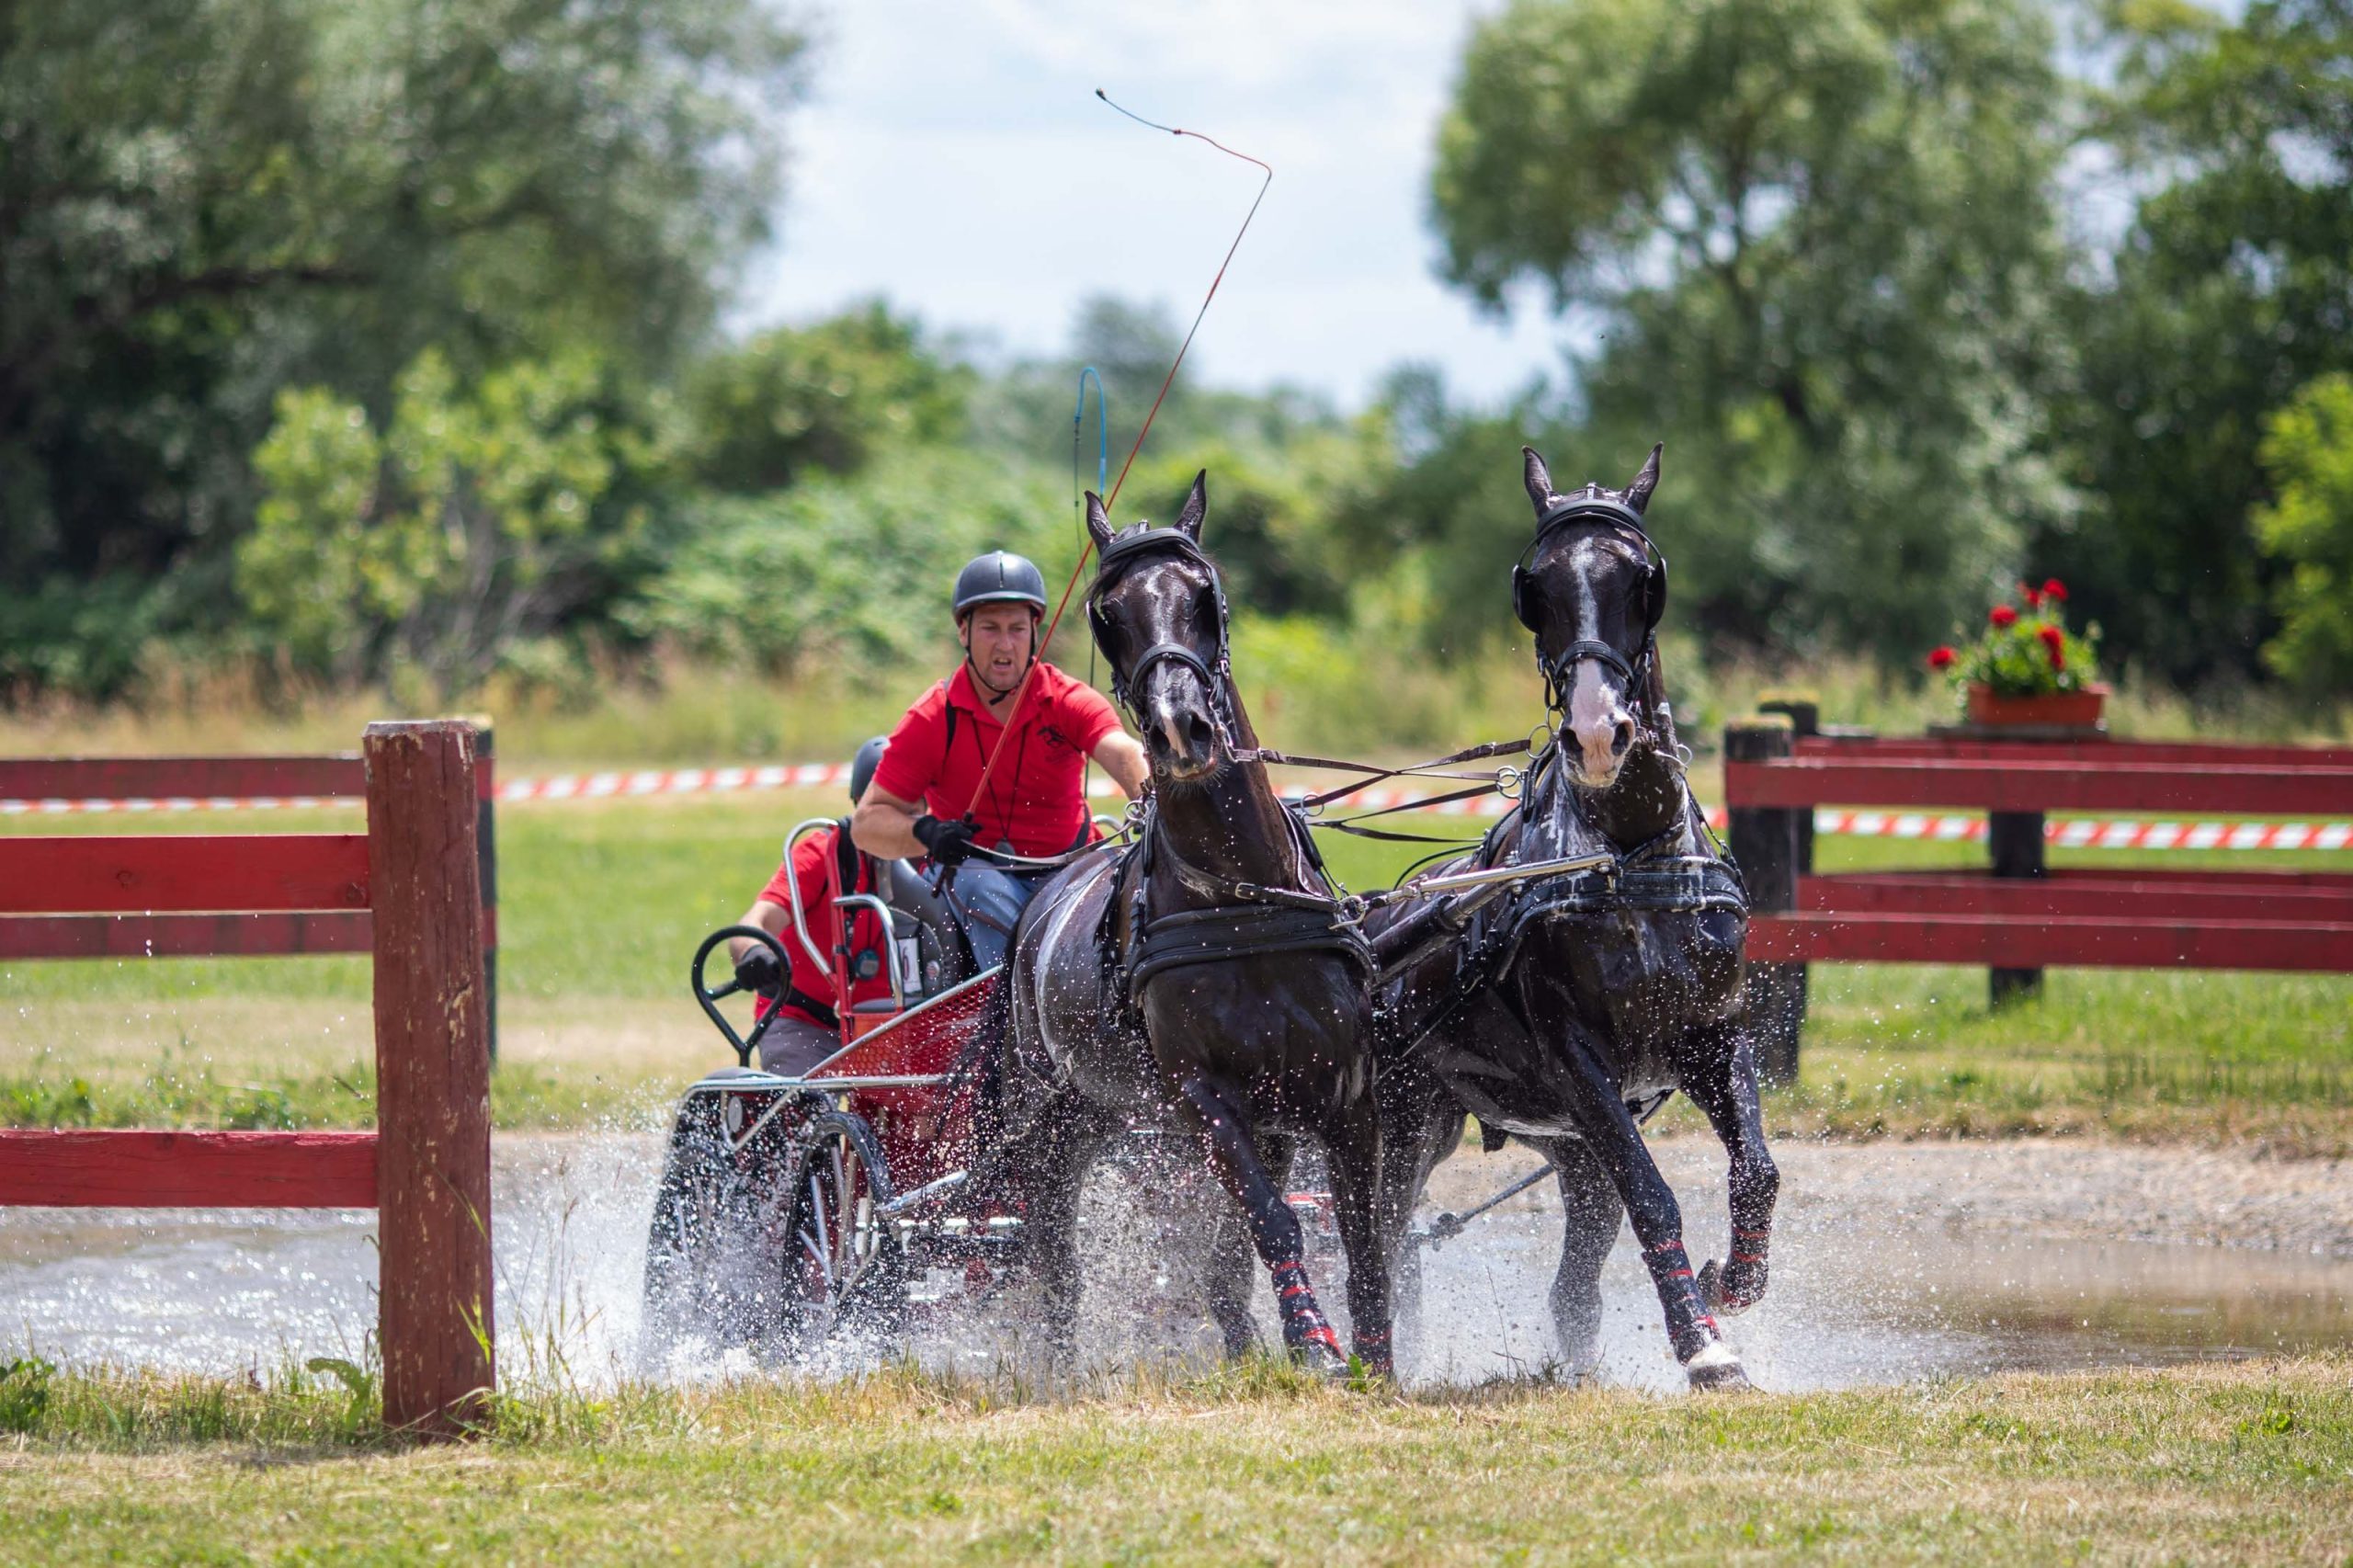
x=1208 y=979
x=1565 y=1009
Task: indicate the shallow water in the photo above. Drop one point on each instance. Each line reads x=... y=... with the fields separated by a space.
x=1856 y=1296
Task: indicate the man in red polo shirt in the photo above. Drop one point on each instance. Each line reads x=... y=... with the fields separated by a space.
x=1034 y=800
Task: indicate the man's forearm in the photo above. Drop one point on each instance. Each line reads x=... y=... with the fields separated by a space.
x=885 y=830
x=1124 y=760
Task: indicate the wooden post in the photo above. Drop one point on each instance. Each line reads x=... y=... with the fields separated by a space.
x=1804 y=715
x=1765 y=841
x=432 y=1076
x=486 y=851
x=2014 y=845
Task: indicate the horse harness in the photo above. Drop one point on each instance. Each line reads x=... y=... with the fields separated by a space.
x=1653 y=877
x=1245 y=919
x=1592 y=504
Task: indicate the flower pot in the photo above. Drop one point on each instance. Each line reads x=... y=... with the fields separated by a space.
x=2068 y=710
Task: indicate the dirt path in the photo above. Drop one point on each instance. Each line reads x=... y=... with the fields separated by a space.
x=2059 y=1187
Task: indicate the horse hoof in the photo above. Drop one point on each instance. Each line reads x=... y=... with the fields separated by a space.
x=1717 y=1367
x=1711 y=1291
x=1320 y=1358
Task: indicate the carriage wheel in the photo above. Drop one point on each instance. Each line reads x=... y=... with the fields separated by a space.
x=716 y=1253
x=847 y=1266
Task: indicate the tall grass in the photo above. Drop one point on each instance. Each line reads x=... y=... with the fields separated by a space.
x=1309 y=685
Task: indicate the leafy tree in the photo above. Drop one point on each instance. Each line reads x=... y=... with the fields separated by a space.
x=1816 y=241
x=202 y=201
x=823 y=396
x=854 y=569
x=2308 y=450
x=2233 y=290
x=481 y=519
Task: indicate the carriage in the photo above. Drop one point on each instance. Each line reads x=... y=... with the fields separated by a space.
x=793 y=1208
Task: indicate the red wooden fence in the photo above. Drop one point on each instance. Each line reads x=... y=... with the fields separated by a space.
x=2019 y=915
x=243 y=872
x=418 y=873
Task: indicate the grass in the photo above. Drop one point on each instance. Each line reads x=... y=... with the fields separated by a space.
x=2221 y=1462
x=601 y=904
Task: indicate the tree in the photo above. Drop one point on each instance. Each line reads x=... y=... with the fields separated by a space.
x=2308 y=450
x=824 y=396
x=202 y=201
x=1816 y=240
x=2233 y=290
x=483 y=517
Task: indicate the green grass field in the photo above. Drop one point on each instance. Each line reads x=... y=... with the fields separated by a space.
x=2248 y=1462
x=601 y=905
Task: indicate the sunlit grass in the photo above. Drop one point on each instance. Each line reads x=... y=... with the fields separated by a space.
x=2242 y=1463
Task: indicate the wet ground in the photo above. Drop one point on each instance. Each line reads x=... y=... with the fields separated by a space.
x=1892 y=1263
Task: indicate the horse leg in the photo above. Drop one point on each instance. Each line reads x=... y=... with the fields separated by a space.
x=1420 y=1125
x=1720 y=1078
x=1227 y=1284
x=1616 y=1145
x=1274 y=1229
x=1050 y=1232
x=1591 y=1211
x=1353 y=1150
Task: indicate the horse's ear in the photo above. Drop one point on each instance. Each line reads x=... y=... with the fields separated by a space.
x=1538 y=479
x=1197 y=507
x=1638 y=494
x=1099 y=522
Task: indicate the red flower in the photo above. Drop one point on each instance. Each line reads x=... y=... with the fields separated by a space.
x=2055 y=591
x=2003 y=616
x=1941 y=658
x=2033 y=596
x=2049 y=635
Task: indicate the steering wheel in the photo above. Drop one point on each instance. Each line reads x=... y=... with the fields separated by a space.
x=709 y=996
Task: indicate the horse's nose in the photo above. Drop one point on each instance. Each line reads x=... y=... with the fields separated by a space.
x=1621 y=737
x=1198 y=734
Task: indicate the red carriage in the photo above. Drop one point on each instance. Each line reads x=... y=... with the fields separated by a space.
x=791 y=1206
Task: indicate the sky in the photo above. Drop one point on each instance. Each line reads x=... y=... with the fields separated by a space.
x=952 y=157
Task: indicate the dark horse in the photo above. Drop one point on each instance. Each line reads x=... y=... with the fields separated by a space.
x=1208 y=977
x=1563 y=1009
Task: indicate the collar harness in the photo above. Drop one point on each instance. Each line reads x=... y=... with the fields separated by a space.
x=1245 y=919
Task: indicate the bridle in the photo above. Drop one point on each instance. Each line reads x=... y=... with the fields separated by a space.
x=1216 y=671
x=1593 y=505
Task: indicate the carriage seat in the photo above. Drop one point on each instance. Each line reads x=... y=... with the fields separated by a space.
x=943 y=957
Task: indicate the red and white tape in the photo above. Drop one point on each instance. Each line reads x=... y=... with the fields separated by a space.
x=2074 y=833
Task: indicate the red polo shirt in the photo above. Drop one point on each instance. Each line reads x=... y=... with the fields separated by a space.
x=815 y=869
x=1036 y=798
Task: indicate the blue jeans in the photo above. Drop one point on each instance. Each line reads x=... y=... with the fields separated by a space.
x=987 y=901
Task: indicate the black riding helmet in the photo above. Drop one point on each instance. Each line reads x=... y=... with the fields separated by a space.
x=862 y=766
x=999 y=577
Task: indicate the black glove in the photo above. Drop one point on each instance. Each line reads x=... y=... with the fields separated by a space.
x=948 y=843
x=757 y=971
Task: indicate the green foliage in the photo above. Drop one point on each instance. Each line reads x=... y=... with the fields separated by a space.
x=2229 y=294
x=855 y=568
x=201 y=204
x=2308 y=450
x=24 y=1393
x=483 y=516
x=2024 y=650
x=1818 y=239
x=824 y=397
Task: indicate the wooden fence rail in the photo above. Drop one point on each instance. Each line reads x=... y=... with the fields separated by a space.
x=54 y=901
x=2019 y=915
